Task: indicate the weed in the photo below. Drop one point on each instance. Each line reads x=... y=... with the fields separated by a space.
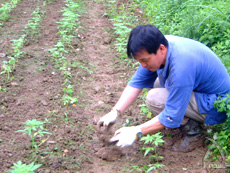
x=82 y=66
x=136 y=168
x=19 y=167
x=220 y=140
x=69 y=100
x=12 y=61
x=154 y=140
x=10 y=65
x=145 y=110
x=91 y=128
x=32 y=28
x=66 y=117
x=34 y=128
x=68 y=90
x=7 y=69
x=6 y=9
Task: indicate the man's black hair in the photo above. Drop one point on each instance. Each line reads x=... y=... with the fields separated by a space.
x=145 y=37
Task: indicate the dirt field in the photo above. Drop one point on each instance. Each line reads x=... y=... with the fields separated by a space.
x=37 y=88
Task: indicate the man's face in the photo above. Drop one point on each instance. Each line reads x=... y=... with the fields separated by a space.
x=152 y=61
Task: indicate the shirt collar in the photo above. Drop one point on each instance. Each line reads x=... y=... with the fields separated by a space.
x=164 y=71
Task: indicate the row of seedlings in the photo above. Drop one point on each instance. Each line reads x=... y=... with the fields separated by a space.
x=67 y=27
x=30 y=31
x=33 y=128
x=6 y=9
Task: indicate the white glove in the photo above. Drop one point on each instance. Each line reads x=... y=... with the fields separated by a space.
x=109 y=118
x=125 y=136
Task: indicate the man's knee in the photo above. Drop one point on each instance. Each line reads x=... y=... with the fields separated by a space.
x=157 y=97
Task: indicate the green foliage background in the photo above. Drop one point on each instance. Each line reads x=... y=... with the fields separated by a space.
x=207 y=21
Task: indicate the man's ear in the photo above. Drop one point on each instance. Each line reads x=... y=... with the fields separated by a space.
x=163 y=49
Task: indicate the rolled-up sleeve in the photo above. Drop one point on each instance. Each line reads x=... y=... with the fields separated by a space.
x=143 y=78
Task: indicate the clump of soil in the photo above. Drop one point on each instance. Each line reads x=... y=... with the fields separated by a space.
x=109 y=153
x=104 y=134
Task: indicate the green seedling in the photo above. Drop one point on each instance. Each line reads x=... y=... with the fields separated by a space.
x=19 y=43
x=35 y=128
x=7 y=69
x=136 y=168
x=146 y=111
x=79 y=64
x=68 y=90
x=154 y=140
x=66 y=117
x=12 y=61
x=6 y=9
x=19 y=167
x=86 y=68
x=44 y=3
x=32 y=27
x=69 y=100
x=2 y=89
x=59 y=50
x=17 y=46
x=69 y=21
x=66 y=73
x=91 y=128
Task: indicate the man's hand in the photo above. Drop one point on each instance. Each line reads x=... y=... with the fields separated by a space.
x=109 y=118
x=125 y=136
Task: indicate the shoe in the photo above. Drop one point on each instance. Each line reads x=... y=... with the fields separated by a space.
x=193 y=136
x=188 y=144
x=191 y=128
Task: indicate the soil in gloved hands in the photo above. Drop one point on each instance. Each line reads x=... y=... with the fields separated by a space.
x=110 y=151
x=104 y=134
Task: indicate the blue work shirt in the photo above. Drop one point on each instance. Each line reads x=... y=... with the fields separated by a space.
x=190 y=67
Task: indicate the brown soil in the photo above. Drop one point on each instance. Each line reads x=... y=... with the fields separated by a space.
x=37 y=88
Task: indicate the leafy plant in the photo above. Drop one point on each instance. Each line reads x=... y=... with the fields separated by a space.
x=34 y=128
x=66 y=117
x=145 y=110
x=123 y=20
x=2 y=89
x=154 y=140
x=32 y=27
x=220 y=139
x=6 y=9
x=68 y=90
x=7 y=69
x=12 y=61
x=69 y=100
x=19 y=167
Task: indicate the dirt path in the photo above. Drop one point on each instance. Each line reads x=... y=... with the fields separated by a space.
x=108 y=80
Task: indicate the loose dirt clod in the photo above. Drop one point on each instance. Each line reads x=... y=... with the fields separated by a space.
x=109 y=153
x=104 y=135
